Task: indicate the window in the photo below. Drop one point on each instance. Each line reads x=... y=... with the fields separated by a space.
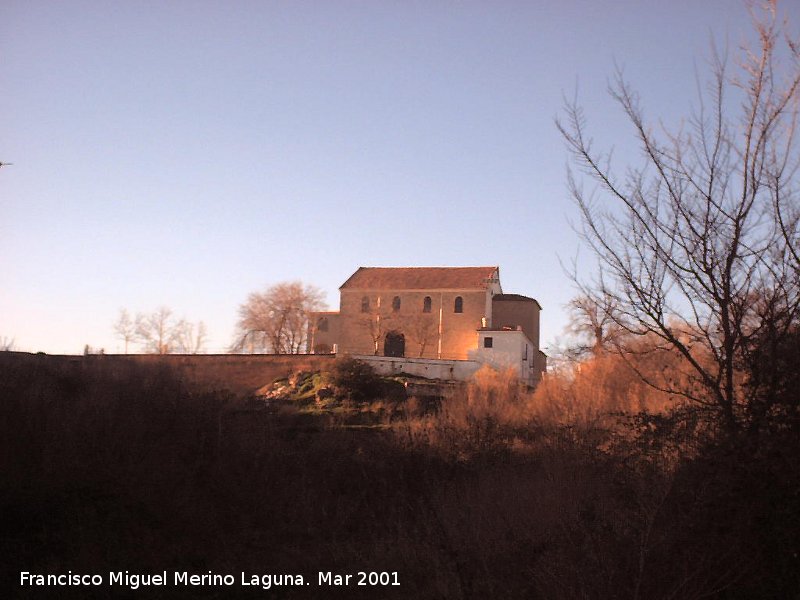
x=487 y=342
x=426 y=304
x=365 y=304
x=396 y=304
x=322 y=324
x=458 y=307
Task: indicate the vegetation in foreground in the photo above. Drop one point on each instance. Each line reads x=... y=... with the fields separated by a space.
x=113 y=466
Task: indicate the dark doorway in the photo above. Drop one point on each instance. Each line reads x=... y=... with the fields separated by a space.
x=394 y=344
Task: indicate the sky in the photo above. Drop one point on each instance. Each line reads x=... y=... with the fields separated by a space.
x=185 y=154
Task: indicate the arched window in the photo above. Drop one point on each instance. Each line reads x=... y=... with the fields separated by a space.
x=396 y=304
x=426 y=304
x=458 y=307
x=322 y=324
x=365 y=304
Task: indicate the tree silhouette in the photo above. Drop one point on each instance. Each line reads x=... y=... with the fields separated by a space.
x=698 y=246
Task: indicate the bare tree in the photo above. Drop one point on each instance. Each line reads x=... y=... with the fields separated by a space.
x=376 y=322
x=698 y=246
x=276 y=320
x=157 y=331
x=591 y=318
x=190 y=337
x=6 y=343
x=160 y=333
x=125 y=328
x=421 y=329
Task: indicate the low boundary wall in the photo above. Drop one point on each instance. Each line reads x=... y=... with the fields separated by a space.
x=246 y=373
x=238 y=373
x=432 y=368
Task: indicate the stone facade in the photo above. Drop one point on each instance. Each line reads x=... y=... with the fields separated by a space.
x=439 y=333
x=422 y=312
x=327 y=329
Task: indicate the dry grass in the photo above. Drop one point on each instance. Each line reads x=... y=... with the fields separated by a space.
x=498 y=495
x=589 y=404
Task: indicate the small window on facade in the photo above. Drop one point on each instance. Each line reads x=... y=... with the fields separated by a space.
x=487 y=342
x=322 y=324
x=459 y=305
x=365 y=304
x=525 y=357
x=426 y=304
x=396 y=304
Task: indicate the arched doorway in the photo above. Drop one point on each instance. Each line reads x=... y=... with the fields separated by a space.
x=394 y=344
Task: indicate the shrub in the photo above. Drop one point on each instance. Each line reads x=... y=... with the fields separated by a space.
x=355 y=380
x=392 y=390
x=481 y=419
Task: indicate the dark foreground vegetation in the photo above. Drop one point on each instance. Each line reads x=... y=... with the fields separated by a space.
x=108 y=465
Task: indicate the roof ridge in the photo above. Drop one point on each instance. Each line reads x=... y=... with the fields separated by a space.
x=436 y=267
x=469 y=277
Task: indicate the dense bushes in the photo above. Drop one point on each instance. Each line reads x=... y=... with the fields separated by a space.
x=106 y=465
x=355 y=379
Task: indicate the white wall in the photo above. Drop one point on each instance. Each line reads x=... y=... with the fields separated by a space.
x=432 y=368
x=508 y=351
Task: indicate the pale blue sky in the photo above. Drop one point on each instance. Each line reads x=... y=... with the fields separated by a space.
x=188 y=153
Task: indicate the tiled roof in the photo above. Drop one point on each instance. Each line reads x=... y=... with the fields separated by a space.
x=420 y=278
